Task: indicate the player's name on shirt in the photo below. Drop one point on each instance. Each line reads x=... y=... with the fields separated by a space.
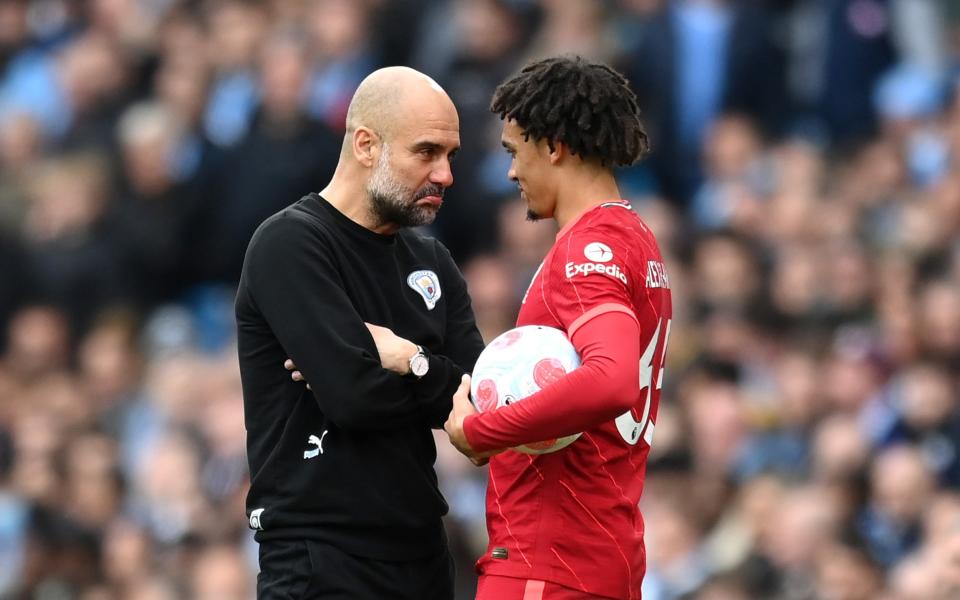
x=657 y=275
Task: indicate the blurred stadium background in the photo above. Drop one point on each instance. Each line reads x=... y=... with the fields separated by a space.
x=804 y=186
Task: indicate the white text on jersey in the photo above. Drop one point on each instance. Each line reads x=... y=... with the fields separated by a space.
x=657 y=275
x=587 y=268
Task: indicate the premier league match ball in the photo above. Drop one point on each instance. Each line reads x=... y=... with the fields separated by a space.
x=517 y=364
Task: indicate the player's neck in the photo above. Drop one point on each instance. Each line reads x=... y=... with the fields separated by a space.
x=350 y=200
x=582 y=191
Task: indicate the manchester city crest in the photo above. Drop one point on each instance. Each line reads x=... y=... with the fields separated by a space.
x=427 y=285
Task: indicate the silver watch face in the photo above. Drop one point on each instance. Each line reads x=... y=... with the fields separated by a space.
x=419 y=365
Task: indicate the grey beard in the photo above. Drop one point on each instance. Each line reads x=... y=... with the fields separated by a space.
x=396 y=211
x=394 y=203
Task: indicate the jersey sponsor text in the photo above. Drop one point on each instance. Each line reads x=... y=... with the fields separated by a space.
x=574 y=269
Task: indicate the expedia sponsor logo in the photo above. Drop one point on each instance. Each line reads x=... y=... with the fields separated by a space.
x=585 y=269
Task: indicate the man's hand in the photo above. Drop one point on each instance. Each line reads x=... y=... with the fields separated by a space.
x=395 y=351
x=296 y=375
x=463 y=408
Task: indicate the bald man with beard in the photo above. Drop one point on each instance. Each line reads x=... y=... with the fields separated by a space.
x=343 y=496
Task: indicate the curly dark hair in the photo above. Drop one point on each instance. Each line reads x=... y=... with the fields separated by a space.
x=587 y=106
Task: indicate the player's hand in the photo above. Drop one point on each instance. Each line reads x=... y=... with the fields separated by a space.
x=395 y=351
x=463 y=408
x=296 y=375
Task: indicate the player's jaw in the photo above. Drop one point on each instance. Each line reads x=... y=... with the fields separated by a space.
x=393 y=202
x=533 y=212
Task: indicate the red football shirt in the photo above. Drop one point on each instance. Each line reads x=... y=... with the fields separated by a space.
x=572 y=517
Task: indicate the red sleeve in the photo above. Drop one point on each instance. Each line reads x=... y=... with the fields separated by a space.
x=604 y=386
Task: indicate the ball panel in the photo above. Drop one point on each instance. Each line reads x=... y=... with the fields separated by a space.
x=507 y=339
x=547 y=371
x=486 y=396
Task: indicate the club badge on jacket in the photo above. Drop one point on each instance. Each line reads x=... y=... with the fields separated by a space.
x=427 y=284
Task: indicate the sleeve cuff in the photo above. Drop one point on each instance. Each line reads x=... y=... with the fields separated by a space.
x=596 y=312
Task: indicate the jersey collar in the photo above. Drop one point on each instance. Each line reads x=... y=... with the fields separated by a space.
x=566 y=228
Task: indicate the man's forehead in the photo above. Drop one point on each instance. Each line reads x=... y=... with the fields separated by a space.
x=439 y=132
x=511 y=130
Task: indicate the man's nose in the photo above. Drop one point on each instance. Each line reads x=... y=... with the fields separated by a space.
x=442 y=174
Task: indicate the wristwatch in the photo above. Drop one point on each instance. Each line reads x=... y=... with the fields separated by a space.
x=419 y=363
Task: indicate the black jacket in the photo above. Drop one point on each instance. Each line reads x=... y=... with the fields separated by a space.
x=352 y=462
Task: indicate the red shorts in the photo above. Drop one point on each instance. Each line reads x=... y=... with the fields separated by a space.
x=496 y=587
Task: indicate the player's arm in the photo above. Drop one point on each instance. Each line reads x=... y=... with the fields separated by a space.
x=297 y=288
x=602 y=388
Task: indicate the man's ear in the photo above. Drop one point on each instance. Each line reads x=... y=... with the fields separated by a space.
x=366 y=146
x=558 y=152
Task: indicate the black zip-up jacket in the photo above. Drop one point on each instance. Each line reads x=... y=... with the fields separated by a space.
x=351 y=462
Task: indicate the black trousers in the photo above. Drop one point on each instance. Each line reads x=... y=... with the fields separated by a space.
x=310 y=570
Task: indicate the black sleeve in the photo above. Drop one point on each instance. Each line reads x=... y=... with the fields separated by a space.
x=295 y=285
x=462 y=345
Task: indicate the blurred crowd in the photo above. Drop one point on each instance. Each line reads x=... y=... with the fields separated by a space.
x=804 y=186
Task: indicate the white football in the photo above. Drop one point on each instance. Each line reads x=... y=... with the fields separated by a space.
x=518 y=363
